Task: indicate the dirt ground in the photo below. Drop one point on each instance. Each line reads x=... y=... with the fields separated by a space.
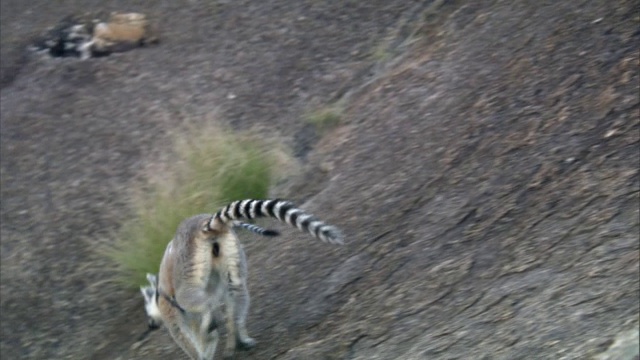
x=485 y=172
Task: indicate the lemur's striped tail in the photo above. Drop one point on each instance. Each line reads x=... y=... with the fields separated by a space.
x=282 y=210
x=255 y=229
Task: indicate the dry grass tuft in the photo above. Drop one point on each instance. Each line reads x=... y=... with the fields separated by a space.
x=211 y=167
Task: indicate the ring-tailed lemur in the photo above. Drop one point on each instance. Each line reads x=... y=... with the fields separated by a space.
x=204 y=267
x=150 y=292
x=123 y=31
x=85 y=37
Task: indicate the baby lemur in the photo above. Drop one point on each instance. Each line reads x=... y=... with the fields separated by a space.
x=204 y=268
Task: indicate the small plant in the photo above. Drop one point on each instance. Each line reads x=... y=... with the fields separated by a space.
x=326 y=118
x=381 y=51
x=212 y=168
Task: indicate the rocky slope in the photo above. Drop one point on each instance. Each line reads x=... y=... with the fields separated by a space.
x=485 y=172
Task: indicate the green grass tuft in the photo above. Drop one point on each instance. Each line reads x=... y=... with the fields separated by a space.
x=212 y=168
x=326 y=118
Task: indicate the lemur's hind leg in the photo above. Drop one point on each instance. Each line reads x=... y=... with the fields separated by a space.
x=185 y=344
x=210 y=345
x=240 y=296
x=243 y=340
x=182 y=335
x=230 y=344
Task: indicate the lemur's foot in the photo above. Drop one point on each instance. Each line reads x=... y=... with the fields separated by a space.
x=245 y=343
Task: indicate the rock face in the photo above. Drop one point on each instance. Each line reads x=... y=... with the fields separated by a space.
x=484 y=171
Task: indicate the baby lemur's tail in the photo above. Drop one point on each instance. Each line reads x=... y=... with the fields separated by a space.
x=255 y=229
x=282 y=210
